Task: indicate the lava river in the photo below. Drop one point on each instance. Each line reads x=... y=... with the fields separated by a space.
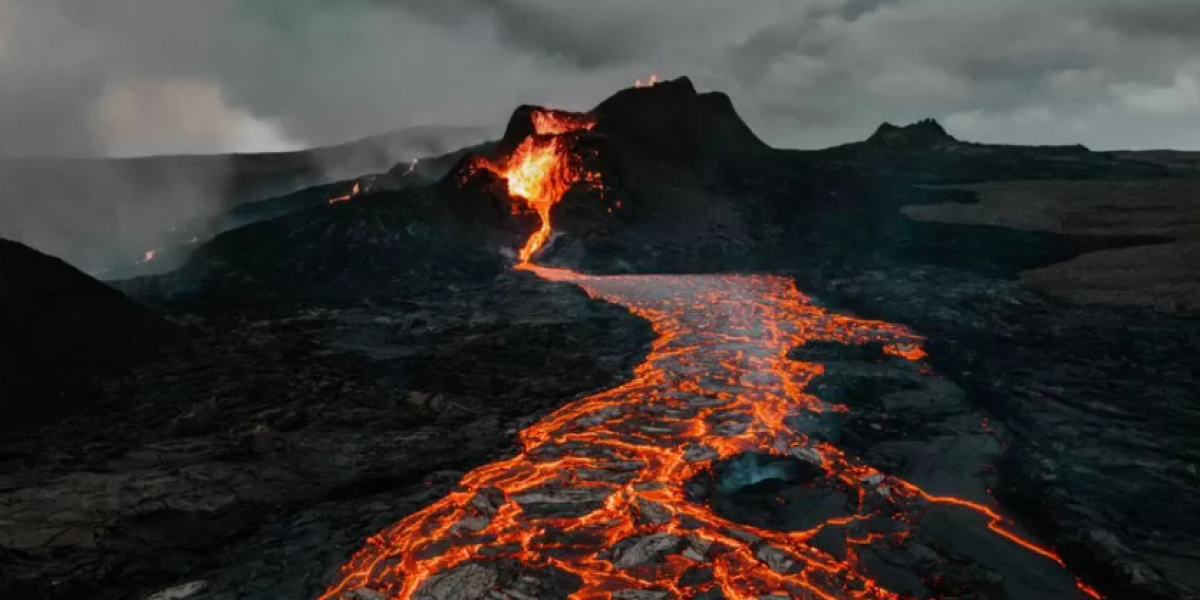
x=596 y=493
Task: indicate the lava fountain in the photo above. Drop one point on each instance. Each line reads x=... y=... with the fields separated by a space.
x=547 y=122
x=542 y=169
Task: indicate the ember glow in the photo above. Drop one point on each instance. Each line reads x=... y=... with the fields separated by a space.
x=1088 y=590
x=717 y=383
x=542 y=169
x=909 y=351
x=354 y=191
x=650 y=82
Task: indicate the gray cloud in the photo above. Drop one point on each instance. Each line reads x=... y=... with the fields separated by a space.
x=131 y=76
x=1153 y=18
x=550 y=31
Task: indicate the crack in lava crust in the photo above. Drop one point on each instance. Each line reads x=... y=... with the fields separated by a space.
x=716 y=384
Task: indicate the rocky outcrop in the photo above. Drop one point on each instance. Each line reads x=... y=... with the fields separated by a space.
x=926 y=132
x=61 y=330
x=671 y=120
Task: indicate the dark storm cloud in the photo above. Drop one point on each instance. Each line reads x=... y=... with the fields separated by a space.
x=853 y=9
x=1153 y=18
x=543 y=30
x=134 y=76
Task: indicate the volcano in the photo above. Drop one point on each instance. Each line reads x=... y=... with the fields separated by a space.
x=635 y=353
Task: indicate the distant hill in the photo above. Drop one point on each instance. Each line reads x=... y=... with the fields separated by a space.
x=1176 y=159
x=924 y=152
x=926 y=132
x=97 y=212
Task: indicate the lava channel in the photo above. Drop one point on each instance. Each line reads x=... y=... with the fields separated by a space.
x=597 y=489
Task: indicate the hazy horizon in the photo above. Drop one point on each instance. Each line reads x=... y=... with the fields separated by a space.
x=493 y=133
x=129 y=78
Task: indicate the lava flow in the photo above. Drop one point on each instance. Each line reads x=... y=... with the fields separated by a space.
x=542 y=169
x=353 y=192
x=596 y=492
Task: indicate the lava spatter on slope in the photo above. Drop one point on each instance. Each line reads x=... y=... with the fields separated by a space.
x=354 y=191
x=550 y=122
x=598 y=488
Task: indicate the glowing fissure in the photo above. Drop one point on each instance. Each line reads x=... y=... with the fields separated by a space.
x=717 y=383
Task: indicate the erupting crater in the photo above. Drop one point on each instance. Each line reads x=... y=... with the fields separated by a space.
x=542 y=169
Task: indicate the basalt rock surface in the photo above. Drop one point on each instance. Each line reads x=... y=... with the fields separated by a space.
x=343 y=365
x=1096 y=406
x=250 y=461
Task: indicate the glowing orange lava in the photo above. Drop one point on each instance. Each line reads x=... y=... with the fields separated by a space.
x=909 y=351
x=548 y=122
x=717 y=383
x=353 y=192
x=1088 y=590
x=651 y=82
x=541 y=170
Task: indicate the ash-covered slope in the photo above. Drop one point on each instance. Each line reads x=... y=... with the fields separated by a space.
x=375 y=245
x=59 y=330
x=98 y=213
x=393 y=177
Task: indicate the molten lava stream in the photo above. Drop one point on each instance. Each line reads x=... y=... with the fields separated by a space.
x=597 y=488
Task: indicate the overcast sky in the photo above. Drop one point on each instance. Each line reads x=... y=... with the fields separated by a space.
x=121 y=77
